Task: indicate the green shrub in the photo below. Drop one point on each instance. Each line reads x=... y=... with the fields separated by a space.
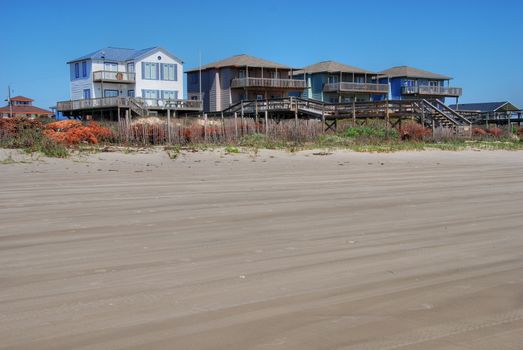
x=232 y=149
x=372 y=131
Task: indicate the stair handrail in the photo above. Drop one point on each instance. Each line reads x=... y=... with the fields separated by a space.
x=453 y=112
x=451 y=118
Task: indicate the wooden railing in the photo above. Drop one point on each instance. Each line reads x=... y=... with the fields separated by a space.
x=356 y=87
x=105 y=75
x=124 y=102
x=431 y=90
x=268 y=83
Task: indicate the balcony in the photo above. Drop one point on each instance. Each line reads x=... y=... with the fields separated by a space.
x=127 y=102
x=268 y=83
x=431 y=91
x=356 y=87
x=114 y=77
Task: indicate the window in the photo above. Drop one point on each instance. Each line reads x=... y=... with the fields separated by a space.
x=333 y=79
x=130 y=67
x=169 y=72
x=149 y=71
x=242 y=74
x=77 y=70
x=110 y=66
x=170 y=95
x=153 y=94
x=110 y=93
x=130 y=93
x=360 y=80
x=84 y=69
x=87 y=94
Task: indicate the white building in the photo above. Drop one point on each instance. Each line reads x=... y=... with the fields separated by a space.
x=151 y=73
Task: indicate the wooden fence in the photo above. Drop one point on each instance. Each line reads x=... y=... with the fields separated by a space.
x=213 y=130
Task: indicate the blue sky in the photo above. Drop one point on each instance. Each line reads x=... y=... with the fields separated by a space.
x=479 y=43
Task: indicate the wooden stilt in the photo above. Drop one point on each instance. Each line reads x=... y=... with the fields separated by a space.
x=169 y=139
x=266 y=122
x=205 y=127
x=236 y=124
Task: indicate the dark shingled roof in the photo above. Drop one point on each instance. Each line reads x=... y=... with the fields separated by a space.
x=332 y=67
x=410 y=72
x=241 y=61
x=486 y=106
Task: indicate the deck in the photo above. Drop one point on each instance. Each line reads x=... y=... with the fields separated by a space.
x=432 y=91
x=268 y=83
x=356 y=87
x=128 y=102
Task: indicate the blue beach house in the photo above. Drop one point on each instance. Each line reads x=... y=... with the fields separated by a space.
x=409 y=83
x=335 y=82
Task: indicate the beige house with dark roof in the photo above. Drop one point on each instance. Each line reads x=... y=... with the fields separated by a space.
x=241 y=77
x=335 y=82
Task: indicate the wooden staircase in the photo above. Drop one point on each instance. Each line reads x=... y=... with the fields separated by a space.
x=436 y=113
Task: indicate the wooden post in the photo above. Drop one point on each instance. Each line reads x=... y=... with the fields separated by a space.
x=323 y=119
x=236 y=125
x=354 y=111
x=387 y=114
x=256 y=115
x=242 y=116
x=205 y=127
x=127 y=123
x=223 y=127
x=422 y=114
x=266 y=122
x=174 y=116
x=169 y=140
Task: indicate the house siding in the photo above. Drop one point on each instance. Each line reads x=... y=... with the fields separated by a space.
x=78 y=85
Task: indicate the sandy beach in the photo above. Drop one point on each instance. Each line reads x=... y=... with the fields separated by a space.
x=408 y=250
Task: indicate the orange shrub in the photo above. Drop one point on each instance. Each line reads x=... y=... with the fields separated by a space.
x=73 y=132
x=15 y=125
x=478 y=132
x=413 y=131
x=497 y=132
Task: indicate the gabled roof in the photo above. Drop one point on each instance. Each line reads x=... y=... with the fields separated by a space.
x=241 y=61
x=411 y=72
x=120 y=54
x=486 y=107
x=21 y=99
x=25 y=109
x=332 y=67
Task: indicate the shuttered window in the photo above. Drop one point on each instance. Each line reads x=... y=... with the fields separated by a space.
x=84 y=69
x=150 y=71
x=169 y=72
